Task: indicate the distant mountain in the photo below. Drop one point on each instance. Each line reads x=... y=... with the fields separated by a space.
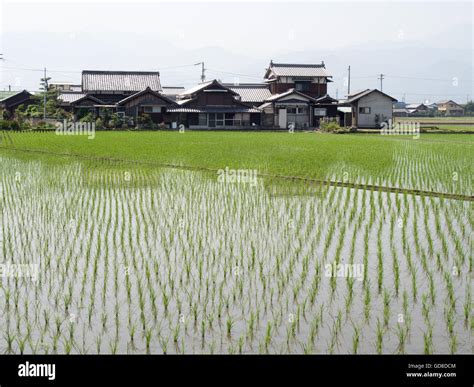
x=420 y=70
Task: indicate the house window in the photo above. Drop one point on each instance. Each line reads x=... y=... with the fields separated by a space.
x=229 y=119
x=321 y=112
x=297 y=110
x=202 y=119
x=364 y=110
x=152 y=109
x=302 y=86
x=223 y=119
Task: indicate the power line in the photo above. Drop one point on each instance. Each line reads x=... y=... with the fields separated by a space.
x=232 y=73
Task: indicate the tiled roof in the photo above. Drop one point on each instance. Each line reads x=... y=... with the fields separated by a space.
x=8 y=94
x=414 y=105
x=251 y=92
x=288 y=92
x=214 y=109
x=120 y=80
x=70 y=97
x=297 y=70
x=147 y=91
x=196 y=88
x=326 y=99
x=201 y=86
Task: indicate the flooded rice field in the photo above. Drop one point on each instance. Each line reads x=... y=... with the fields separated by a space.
x=126 y=259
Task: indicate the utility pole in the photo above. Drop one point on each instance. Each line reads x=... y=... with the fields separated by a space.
x=203 y=70
x=349 y=81
x=337 y=94
x=381 y=79
x=44 y=87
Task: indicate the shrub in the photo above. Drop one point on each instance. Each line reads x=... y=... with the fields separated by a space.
x=99 y=124
x=42 y=125
x=330 y=127
x=9 y=125
x=87 y=118
x=144 y=121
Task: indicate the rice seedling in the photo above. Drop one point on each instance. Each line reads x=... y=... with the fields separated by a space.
x=402 y=334
x=386 y=307
x=236 y=267
x=355 y=340
x=428 y=340
x=380 y=332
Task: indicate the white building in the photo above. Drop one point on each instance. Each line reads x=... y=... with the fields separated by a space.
x=370 y=108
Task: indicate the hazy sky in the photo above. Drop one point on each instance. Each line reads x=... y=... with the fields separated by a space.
x=241 y=37
x=245 y=27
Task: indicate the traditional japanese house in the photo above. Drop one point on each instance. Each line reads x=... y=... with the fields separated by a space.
x=290 y=109
x=127 y=93
x=211 y=105
x=310 y=79
x=251 y=94
x=10 y=100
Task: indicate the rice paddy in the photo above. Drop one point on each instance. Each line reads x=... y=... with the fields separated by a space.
x=134 y=258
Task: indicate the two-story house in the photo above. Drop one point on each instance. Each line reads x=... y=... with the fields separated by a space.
x=450 y=108
x=211 y=105
x=299 y=95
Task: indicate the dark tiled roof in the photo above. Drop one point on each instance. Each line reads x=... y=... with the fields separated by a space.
x=7 y=94
x=91 y=97
x=297 y=70
x=196 y=88
x=147 y=91
x=276 y=97
x=251 y=92
x=120 y=80
x=202 y=86
x=66 y=97
x=214 y=109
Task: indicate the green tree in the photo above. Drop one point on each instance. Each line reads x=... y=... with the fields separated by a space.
x=469 y=108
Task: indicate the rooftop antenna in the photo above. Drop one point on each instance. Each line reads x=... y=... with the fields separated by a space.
x=203 y=70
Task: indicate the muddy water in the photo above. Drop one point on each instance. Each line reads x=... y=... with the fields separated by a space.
x=134 y=260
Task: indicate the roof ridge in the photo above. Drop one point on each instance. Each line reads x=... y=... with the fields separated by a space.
x=119 y=72
x=298 y=64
